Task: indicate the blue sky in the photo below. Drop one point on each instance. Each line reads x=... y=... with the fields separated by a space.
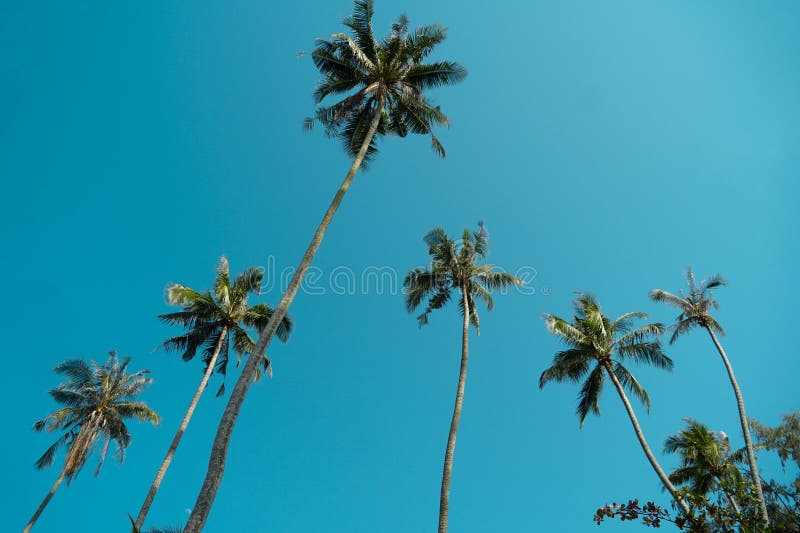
x=606 y=145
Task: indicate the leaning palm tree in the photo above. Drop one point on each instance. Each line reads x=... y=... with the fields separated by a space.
x=213 y=319
x=96 y=400
x=695 y=307
x=594 y=339
x=386 y=81
x=706 y=461
x=455 y=270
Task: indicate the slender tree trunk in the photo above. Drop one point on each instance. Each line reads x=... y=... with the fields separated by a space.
x=219 y=450
x=733 y=503
x=645 y=447
x=447 y=472
x=46 y=500
x=162 y=470
x=748 y=441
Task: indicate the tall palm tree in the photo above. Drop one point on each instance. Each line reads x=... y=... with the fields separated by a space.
x=96 y=400
x=594 y=339
x=387 y=81
x=213 y=319
x=695 y=311
x=455 y=270
x=706 y=461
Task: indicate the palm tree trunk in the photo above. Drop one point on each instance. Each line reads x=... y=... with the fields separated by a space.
x=46 y=500
x=751 y=456
x=162 y=470
x=447 y=472
x=645 y=447
x=733 y=503
x=219 y=450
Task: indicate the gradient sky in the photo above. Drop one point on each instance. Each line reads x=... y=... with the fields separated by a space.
x=607 y=145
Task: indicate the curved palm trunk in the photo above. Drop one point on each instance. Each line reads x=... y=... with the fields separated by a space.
x=751 y=456
x=72 y=463
x=162 y=470
x=733 y=503
x=46 y=500
x=447 y=472
x=645 y=447
x=219 y=450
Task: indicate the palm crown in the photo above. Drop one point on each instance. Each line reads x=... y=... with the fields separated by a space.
x=97 y=400
x=593 y=337
x=705 y=457
x=455 y=267
x=206 y=314
x=695 y=304
x=387 y=76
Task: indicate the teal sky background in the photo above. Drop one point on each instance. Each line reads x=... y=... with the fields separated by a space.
x=607 y=145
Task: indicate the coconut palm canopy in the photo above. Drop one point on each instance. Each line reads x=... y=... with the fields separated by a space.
x=607 y=145
x=705 y=457
x=389 y=75
x=695 y=304
x=97 y=399
x=205 y=314
x=595 y=340
x=455 y=265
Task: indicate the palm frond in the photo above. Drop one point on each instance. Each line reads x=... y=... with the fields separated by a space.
x=360 y=22
x=568 y=365
x=418 y=285
x=435 y=75
x=248 y=281
x=259 y=315
x=712 y=282
x=647 y=353
x=623 y=323
x=640 y=334
x=77 y=371
x=423 y=40
x=499 y=280
x=632 y=385
x=661 y=296
x=178 y=294
x=48 y=456
x=565 y=331
x=589 y=395
x=681 y=327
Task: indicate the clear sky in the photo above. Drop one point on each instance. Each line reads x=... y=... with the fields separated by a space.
x=607 y=145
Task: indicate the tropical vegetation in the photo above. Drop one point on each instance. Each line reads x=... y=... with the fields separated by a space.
x=96 y=402
x=386 y=80
x=695 y=306
x=455 y=270
x=597 y=347
x=370 y=89
x=214 y=320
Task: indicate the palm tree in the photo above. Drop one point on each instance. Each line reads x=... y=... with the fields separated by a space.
x=96 y=400
x=212 y=320
x=695 y=311
x=387 y=80
x=455 y=270
x=593 y=338
x=707 y=462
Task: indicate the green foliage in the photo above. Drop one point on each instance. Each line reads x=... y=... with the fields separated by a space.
x=96 y=400
x=167 y=529
x=706 y=461
x=721 y=498
x=593 y=338
x=206 y=314
x=387 y=76
x=454 y=266
x=783 y=498
x=695 y=304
